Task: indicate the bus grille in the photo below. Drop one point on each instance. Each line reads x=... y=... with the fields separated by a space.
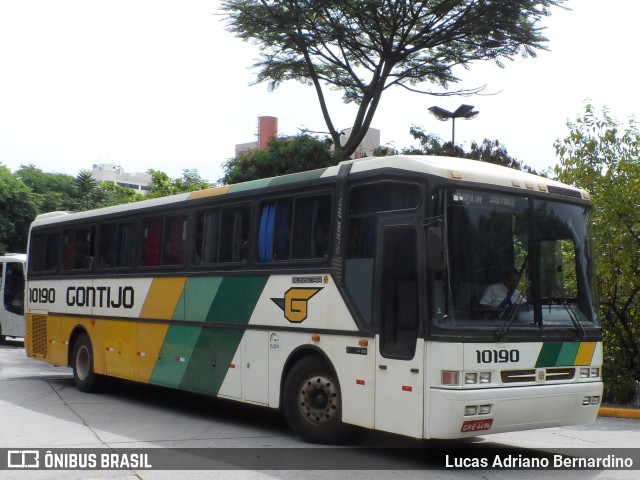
x=551 y=374
x=39 y=334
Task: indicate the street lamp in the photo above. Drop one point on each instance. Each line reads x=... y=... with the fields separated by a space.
x=463 y=111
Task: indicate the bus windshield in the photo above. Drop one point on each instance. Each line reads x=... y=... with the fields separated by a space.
x=513 y=262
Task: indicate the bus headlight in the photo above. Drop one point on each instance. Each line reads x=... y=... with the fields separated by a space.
x=470 y=410
x=470 y=378
x=485 y=377
x=484 y=409
x=589 y=372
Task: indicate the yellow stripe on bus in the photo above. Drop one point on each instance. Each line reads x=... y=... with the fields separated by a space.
x=209 y=192
x=162 y=298
x=149 y=340
x=585 y=353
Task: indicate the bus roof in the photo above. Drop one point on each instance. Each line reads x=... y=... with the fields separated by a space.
x=13 y=257
x=452 y=168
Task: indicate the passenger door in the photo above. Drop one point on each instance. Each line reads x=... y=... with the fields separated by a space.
x=13 y=299
x=399 y=406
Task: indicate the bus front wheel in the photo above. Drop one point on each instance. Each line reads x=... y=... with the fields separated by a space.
x=85 y=378
x=312 y=402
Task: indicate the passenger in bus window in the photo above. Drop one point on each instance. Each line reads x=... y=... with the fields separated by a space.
x=499 y=297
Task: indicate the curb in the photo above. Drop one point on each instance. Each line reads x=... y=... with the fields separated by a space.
x=619 y=412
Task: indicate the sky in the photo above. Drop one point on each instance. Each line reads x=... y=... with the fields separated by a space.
x=161 y=84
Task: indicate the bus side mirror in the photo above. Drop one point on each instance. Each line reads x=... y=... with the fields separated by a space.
x=435 y=245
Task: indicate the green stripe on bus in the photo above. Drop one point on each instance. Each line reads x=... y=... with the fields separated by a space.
x=211 y=358
x=213 y=353
x=297 y=177
x=567 y=355
x=196 y=358
x=548 y=355
x=557 y=354
x=235 y=299
x=252 y=185
x=177 y=348
x=199 y=294
x=275 y=181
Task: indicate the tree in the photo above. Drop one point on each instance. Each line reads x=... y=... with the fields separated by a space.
x=490 y=151
x=87 y=192
x=282 y=156
x=17 y=211
x=365 y=47
x=115 y=194
x=53 y=191
x=161 y=185
x=603 y=157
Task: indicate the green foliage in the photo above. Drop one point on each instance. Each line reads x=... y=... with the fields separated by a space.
x=603 y=156
x=18 y=207
x=363 y=48
x=490 y=151
x=282 y=156
x=87 y=195
x=53 y=191
x=161 y=185
x=115 y=194
x=30 y=191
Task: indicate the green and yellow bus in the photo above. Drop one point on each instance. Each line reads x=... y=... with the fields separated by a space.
x=346 y=296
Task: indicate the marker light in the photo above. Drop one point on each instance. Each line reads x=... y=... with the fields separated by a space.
x=450 y=378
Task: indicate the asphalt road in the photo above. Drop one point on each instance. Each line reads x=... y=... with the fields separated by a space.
x=41 y=410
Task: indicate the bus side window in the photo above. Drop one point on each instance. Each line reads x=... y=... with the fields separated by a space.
x=152 y=241
x=117 y=245
x=78 y=249
x=295 y=229
x=175 y=229
x=207 y=233
x=312 y=220
x=234 y=234
x=274 y=237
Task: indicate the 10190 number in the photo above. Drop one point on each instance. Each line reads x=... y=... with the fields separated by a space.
x=497 y=356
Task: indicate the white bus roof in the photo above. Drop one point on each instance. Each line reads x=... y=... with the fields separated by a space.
x=451 y=168
x=13 y=257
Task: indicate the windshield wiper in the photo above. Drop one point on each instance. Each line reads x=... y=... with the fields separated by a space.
x=576 y=323
x=512 y=312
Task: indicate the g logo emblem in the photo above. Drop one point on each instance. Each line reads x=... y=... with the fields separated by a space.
x=295 y=303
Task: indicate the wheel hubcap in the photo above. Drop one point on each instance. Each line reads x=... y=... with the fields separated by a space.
x=83 y=362
x=319 y=400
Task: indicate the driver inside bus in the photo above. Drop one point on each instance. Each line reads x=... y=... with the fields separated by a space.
x=499 y=297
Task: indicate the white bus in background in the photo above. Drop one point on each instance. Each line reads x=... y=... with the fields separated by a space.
x=12 y=268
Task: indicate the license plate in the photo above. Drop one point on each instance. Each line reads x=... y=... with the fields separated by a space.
x=476 y=425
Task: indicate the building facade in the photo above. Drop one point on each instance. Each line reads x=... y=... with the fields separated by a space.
x=106 y=172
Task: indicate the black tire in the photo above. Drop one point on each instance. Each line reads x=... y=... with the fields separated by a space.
x=312 y=402
x=82 y=363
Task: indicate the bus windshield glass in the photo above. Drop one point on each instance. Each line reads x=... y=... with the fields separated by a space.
x=513 y=263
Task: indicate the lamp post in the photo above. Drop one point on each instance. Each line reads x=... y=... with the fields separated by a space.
x=463 y=111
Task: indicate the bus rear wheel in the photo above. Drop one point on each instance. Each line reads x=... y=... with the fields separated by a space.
x=312 y=402
x=82 y=363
